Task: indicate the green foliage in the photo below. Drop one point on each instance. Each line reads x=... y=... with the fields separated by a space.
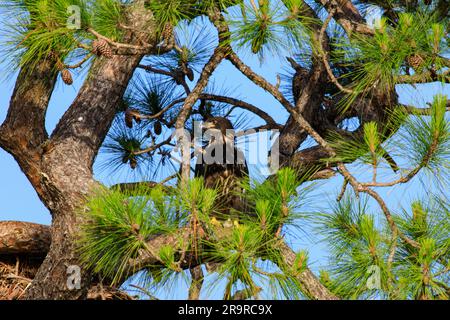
x=237 y=252
x=196 y=46
x=197 y=198
x=175 y=11
x=269 y=27
x=361 y=249
x=121 y=147
x=118 y=224
x=150 y=95
x=106 y=18
x=172 y=11
x=368 y=150
x=357 y=247
x=423 y=272
x=275 y=201
x=41 y=27
x=427 y=139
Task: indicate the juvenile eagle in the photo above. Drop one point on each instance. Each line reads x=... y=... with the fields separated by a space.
x=222 y=165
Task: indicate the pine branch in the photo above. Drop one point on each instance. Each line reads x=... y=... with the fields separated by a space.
x=258 y=80
x=139 y=186
x=155 y=70
x=310 y=283
x=424 y=77
x=217 y=57
x=240 y=104
x=421 y=111
x=324 y=55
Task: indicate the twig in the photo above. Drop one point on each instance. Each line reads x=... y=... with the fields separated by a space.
x=144 y=48
x=344 y=188
x=145 y=291
x=153 y=147
x=161 y=113
x=421 y=111
x=155 y=70
x=240 y=104
x=79 y=64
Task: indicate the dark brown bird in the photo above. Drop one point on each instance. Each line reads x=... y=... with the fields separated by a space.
x=222 y=165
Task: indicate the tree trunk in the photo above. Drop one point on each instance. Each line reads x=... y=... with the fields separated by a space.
x=60 y=168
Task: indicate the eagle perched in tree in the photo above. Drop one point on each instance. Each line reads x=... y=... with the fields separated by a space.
x=222 y=165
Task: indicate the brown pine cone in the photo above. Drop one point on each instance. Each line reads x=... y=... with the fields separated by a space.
x=129 y=119
x=167 y=32
x=133 y=163
x=415 y=61
x=157 y=128
x=130 y=115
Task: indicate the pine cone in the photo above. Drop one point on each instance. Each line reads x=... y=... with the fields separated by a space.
x=190 y=74
x=415 y=61
x=133 y=163
x=101 y=48
x=130 y=115
x=167 y=32
x=67 y=77
x=53 y=56
x=128 y=119
x=59 y=65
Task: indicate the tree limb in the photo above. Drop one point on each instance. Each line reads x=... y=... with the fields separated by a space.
x=24 y=238
x=240 y=104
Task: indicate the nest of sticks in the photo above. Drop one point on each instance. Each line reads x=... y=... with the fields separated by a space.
x=16 y=276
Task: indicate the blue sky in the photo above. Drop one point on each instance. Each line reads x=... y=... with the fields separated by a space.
x=18 y=201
